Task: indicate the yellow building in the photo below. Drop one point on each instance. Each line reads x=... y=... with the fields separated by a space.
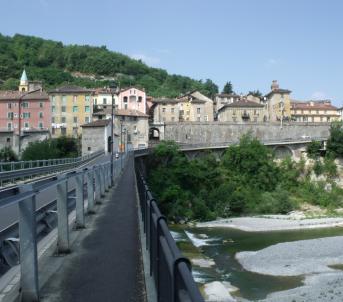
x=70 y=107
x=278 y=103
x=314 y=111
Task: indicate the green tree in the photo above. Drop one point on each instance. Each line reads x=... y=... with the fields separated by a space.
x=256 y=93
x=228 y=88
x=335 y=141
x=313 y=149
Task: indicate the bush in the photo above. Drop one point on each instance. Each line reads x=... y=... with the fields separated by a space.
x=62 y=147
x=7 y=155
x=318 y=168
x=313 y=149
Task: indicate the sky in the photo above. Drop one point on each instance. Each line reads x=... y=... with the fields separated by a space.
x=248 y=42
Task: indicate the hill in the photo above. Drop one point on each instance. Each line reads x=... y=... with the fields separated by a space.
x=56 y=64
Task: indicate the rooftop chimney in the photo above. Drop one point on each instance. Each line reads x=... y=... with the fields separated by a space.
x=275 y=85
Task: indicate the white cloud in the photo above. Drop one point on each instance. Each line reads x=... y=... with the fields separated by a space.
x=272 y=61
x=318 y=95
x=146 y=59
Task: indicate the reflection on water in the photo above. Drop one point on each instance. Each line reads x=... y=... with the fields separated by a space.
x=221 y=245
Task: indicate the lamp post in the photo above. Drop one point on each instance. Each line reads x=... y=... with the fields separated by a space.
x=19 y=110
x=112 y=91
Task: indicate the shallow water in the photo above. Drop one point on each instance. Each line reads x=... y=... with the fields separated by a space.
x=221 y=245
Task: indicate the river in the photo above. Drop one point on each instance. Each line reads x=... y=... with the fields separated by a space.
x=221 y=245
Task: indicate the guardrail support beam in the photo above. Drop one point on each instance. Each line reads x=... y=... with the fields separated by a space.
x=62 y=217
x=80 y=213
x=28 y=248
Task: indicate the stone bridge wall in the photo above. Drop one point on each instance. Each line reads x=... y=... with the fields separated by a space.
x=217 y=132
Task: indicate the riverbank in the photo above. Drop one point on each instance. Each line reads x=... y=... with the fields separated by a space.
x=319 y=260
x=273 y=223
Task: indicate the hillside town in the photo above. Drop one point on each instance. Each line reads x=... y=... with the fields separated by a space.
x=31 y=113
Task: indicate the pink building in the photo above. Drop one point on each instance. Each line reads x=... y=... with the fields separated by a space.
x=132 y=99
x=25 y=111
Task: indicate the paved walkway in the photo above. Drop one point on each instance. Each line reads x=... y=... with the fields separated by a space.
x=106 y=264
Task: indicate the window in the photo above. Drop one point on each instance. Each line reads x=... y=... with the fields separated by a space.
x=206 y=118
x=89 y=148
x=40 y=125
x=40 y=105
x=104 y=101
x=53 y=99
x=25 y=105
x=53 y=120
x=26 y=115
x=95 y=101
x=74 y=99
x=75 y=119
x=198 y=110
x=163 y=109
x=9 y=126
x=125 y=99
x=63 y=131
x=198 y=118
x=8 y=140
x=125 y=106
x=40 y=114
x=53 y=131
x=63 y=109
x=53 y=109
x=328 y=119
x=75 y=131
x=88 y=98
x=26 y=125
x=9 y=105
x=187 y=112
x=172 y=110
x=87 y=109
x=76 y=108
x=140 y=99
x=63 y=119
x=64 y=99
x=10 y=115
x=87 y=119
x=317 y=111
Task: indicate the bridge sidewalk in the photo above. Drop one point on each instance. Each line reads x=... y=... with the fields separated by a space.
x=105 y=265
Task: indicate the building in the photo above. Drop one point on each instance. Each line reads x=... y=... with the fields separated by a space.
x=340 y=112
x=71 y=107
x=25 y=109
x=102 y=98
x=314 y=111
x=165 y=110
x=242 y=111
x=96 y=136
x=278 y=103
x=26 y=85
x=222 y=99
x=132 y=98
x=195 y=107
x=130 y=126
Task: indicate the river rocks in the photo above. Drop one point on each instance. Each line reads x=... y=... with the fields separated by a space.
x=219 y=291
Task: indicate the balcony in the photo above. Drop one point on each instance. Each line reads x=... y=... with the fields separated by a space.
x=245 y=116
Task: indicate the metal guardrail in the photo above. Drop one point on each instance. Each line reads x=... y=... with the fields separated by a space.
x=23 y=169
x=18 y=242
x=171 y=271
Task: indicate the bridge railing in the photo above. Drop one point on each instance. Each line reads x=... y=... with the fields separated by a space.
x=11 y=171
x=172 y=273
x=19 y=239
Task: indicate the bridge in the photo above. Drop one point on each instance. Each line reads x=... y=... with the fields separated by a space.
x=70 y=230
x=87 y=230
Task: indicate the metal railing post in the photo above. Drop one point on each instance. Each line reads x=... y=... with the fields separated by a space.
x=102 y=181
x=90 y=190
x=97 y=184
x=62 y=216
x=28 y=248
x=80 y=213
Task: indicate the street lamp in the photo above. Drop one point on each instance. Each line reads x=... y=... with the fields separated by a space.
x=19 y=123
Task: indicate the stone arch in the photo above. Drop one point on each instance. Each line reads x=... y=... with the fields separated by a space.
x=282 y=151
x=154 y=133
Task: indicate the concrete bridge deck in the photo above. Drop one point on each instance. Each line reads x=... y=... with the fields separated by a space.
x=107 y=263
